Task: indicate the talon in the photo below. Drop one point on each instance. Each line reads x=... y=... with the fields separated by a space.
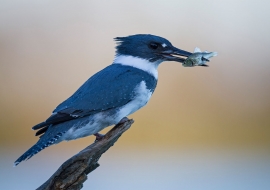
x=98 y=136
x=123 y=120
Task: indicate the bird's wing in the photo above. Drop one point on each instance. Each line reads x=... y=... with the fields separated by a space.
x=110 y=88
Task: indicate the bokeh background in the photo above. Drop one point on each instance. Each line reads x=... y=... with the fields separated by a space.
x=204 y=128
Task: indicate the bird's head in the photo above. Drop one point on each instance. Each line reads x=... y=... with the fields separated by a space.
x=148 y=47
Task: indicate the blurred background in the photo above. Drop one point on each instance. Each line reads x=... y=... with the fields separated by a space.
x=204 y=128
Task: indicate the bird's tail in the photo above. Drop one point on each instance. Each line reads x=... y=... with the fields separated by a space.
x=43 y=142
x=29 y=153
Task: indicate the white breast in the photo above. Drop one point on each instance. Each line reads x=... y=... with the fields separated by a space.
x=142 y=97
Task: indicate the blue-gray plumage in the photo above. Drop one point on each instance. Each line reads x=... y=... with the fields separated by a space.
x=98 y=93
x=111 y=94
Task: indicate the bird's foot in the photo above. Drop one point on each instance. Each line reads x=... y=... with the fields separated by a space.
x=123 y=120
x=98 y=137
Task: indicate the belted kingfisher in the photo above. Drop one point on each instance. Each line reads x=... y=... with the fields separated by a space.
x=111 y=94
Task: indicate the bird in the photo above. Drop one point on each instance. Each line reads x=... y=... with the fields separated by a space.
x=110 y=95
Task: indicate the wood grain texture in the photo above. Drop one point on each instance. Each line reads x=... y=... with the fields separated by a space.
x=73 y=173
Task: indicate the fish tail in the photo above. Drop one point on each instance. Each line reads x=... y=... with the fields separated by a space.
x=213 y=54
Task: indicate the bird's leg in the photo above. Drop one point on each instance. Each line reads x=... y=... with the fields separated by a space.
x=123 y=120
x=98 y=136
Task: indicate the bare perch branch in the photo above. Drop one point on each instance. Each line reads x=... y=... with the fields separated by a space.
x=72 y=173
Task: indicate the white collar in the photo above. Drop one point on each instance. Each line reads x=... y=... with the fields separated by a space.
x=143 y=64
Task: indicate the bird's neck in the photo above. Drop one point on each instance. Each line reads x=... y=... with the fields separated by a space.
x=139 y=63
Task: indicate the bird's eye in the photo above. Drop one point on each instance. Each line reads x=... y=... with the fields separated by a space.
x=153 y=45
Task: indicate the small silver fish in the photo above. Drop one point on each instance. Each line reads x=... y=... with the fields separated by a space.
x=198 y=58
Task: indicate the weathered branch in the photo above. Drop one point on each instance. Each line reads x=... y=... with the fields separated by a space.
x=72 y=173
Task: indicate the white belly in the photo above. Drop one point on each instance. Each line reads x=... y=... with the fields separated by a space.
x=90 y=126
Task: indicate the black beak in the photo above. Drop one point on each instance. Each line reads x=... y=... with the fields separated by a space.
x=174 y=54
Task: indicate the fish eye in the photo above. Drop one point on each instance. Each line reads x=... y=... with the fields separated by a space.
x=153 y=45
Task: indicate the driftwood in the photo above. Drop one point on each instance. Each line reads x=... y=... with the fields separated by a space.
x=73 y=173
